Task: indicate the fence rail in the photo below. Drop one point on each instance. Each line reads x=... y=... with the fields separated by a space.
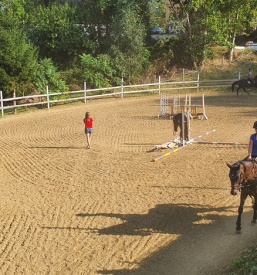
x=49 y=99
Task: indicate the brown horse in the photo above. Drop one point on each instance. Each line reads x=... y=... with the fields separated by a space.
x=177 y=122
x=243 y=176
x=243 y=84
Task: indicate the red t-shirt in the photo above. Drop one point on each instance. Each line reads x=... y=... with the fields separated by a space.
x=88 y=124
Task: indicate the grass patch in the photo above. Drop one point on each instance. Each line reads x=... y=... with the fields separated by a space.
x=247 y=264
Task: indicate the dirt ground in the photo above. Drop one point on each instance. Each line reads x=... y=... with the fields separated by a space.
x=112 y=210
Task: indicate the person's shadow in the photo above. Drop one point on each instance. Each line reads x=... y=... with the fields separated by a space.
x=164 y=218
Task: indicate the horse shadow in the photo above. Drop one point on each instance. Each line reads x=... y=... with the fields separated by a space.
x=180 y=219
x=158 y=220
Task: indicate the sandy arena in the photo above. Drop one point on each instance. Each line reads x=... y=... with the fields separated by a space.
x=68 y=210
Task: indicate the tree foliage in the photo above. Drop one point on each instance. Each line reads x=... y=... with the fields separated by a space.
x=57 y=34
x=205 y=22
x=98 y=71
x=128 y=49
x=46 y=74
x=18 y=57
x=108 y=39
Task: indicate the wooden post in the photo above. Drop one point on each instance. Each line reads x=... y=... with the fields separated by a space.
x=122 y=88
x=14 y=102
x=198 y=82
x=2 y=103
x=47 y=96
x=85 y=92
x=159 y=84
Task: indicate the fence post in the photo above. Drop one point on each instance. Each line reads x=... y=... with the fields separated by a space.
x=47 y=96
x=14 y=103
x=183 y=74
x=239 y=75
x=159 y=85
x=85 y=92
x=2 y=103
x=121 y=88
x=198 y=82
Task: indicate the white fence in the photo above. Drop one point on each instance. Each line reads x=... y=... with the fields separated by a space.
x=49 y=99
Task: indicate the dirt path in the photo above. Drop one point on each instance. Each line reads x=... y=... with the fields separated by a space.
x=111 y=210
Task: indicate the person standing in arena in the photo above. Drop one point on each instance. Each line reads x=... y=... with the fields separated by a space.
x=88 y=121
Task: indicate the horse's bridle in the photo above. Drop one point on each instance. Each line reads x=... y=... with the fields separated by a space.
x=241 y=182
x=239 y=175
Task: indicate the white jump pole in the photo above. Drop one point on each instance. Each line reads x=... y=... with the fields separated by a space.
x=204 y=115
x=189 y=107
x=188 y=124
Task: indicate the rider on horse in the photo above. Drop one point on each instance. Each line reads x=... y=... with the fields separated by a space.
x=250 y=77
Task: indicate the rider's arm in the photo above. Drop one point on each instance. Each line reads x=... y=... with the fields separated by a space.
x=250 y=148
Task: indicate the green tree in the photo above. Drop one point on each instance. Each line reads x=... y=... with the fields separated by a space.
x=46 y=75
x=55 y=31
x=204 y=22
x=18 y=57
x=128 y=49
x=98 y=71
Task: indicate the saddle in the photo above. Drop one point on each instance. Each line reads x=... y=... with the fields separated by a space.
x=250 y=83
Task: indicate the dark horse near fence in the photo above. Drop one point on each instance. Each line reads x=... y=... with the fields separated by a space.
x=243 y=177
x=244 y=83
x=177 y=121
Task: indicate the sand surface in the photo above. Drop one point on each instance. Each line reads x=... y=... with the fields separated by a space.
x=111 y=210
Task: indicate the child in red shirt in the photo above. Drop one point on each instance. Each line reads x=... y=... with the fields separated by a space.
x=88 y=121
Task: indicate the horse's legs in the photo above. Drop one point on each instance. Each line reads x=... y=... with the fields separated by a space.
x=254 y=210
x=245 y=90
x=240 y=211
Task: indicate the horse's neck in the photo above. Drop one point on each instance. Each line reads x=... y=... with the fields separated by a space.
x=250 y=171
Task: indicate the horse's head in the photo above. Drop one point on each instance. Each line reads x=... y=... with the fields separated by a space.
x=236 y=177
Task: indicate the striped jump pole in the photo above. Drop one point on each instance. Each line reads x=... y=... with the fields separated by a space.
x=220 y=143
x=207 y=133
x=166 y=155
x=182 y=147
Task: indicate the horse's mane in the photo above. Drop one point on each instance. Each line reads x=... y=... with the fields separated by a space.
x=243 y=162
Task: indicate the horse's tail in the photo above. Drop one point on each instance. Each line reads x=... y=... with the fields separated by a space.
x=235 y=83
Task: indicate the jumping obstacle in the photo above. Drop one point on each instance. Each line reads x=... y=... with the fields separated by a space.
x=168 y=154
x=192 y=140
x=177 y=141
x=194 y=110
x=164 y=103
x=169 y=144
x=179 y=105
x=182 y=147
x=220 y=143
